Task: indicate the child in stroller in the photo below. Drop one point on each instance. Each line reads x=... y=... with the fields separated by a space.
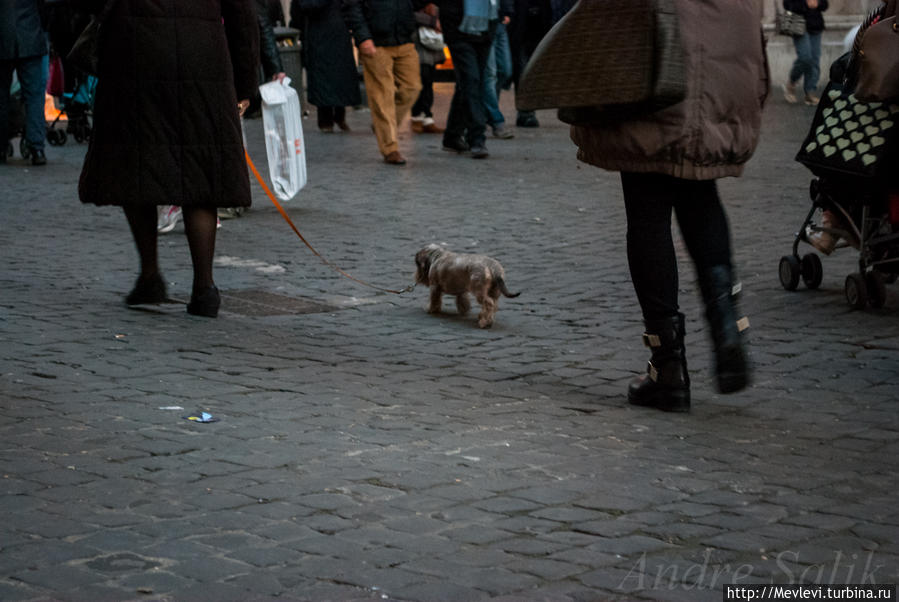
x=851 y=147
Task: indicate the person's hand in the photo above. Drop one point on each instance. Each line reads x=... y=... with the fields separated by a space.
x=279 y=77
x=367 y=48
x=242 y=106
x=812 y=4
x=506 y=20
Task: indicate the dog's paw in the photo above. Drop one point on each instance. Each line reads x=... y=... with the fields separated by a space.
x=485 y=323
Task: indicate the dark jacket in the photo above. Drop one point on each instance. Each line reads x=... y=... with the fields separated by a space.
x=452 y=11
x=21 y=29
x=713 y=132
x=268 y=45
x=166 y=128
x=814 y=20
x=331 y=76
x=384 y=22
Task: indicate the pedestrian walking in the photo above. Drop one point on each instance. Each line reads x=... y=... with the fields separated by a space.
x=332 y=81
x=23 y=50
x=428 y=59
x=469 y=27
x=670 y=160
x=807 y=65
x=383 y=32
x=167 y=127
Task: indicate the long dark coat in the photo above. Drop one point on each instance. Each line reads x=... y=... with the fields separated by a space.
x=166 y=127
x=331 y=76
x=21 y=32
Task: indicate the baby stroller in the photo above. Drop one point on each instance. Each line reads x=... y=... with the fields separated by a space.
x=75 y=97
x=77 y=106
x=851 y=147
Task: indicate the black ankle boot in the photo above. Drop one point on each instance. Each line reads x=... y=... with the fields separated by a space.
x=720 y=296
x=666 y=384
x=206 y=303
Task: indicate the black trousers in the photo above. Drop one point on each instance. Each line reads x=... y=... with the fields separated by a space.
x=328 y=116
x=648 y=201
x=425 y=100
x=467 y=117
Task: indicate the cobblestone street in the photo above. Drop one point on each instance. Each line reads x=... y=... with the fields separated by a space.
x=369 y=450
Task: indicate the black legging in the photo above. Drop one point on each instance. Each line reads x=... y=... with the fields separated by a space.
x=648 y=200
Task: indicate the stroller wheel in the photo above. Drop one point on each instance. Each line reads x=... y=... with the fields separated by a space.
x=789 y=271
x=24 y=149
x=856 y=291
x=812 y=272
x=56 y=137
x=877 y=290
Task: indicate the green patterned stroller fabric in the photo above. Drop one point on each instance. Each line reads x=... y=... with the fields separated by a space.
x=850 y=137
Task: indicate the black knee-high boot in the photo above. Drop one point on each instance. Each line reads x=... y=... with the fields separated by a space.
x=731 y=361
x=666 y=384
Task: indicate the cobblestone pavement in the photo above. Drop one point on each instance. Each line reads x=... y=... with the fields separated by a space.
x=368 y=450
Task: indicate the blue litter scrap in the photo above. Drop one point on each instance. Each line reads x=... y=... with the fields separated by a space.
x=201 y=417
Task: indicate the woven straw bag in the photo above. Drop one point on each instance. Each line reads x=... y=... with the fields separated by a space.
x=607 y=59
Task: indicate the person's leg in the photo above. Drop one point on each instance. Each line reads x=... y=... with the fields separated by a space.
x=491 y=98
x=6 y=69
x=801 y=66
x=422 y=106
x=32 y=73
x=325 y=118
x=706 y=233
x=407 y=74
x=340 y=118
x=504 y=70
x=648 y=200
x=150 y=287
x=457 y=121
x=814 y=67
x=380 y=88
x=200 y=227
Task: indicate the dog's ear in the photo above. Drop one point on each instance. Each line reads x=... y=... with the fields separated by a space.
x=422 y=265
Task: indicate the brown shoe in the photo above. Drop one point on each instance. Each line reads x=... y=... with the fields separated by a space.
x=432 y=128
x=395 y=158
x=417 y=126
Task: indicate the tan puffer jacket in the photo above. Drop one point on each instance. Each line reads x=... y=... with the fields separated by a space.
x=714 y=131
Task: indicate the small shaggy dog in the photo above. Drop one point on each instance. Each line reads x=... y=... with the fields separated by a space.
x=457 y=274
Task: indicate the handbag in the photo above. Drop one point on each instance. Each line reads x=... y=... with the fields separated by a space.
x=56 y=82
x=607 y=60
x=788 y=23
x=430 y=38
x=849 y=137
x=84 y=52
x=877 y=56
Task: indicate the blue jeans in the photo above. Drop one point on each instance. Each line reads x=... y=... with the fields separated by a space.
x=808 y=57
x=497 y=75
x=32 y=72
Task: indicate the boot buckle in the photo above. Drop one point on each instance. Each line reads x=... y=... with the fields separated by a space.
x=651 y=340
x=743 y=324
x=652 y=372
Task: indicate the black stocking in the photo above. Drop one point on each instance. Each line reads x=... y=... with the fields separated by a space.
x=142 y=221
x=199 y=225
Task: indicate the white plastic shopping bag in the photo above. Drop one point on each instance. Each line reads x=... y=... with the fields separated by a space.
x=284 y=145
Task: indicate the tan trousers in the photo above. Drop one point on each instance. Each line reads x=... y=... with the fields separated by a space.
x=392 y=83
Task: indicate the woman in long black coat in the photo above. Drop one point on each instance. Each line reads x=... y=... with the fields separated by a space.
x=332 y=81
x=167 y=127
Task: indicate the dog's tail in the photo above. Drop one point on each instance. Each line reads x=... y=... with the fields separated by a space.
x=501 y=284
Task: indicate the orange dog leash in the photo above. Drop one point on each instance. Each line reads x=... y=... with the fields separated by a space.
x=289 y=221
